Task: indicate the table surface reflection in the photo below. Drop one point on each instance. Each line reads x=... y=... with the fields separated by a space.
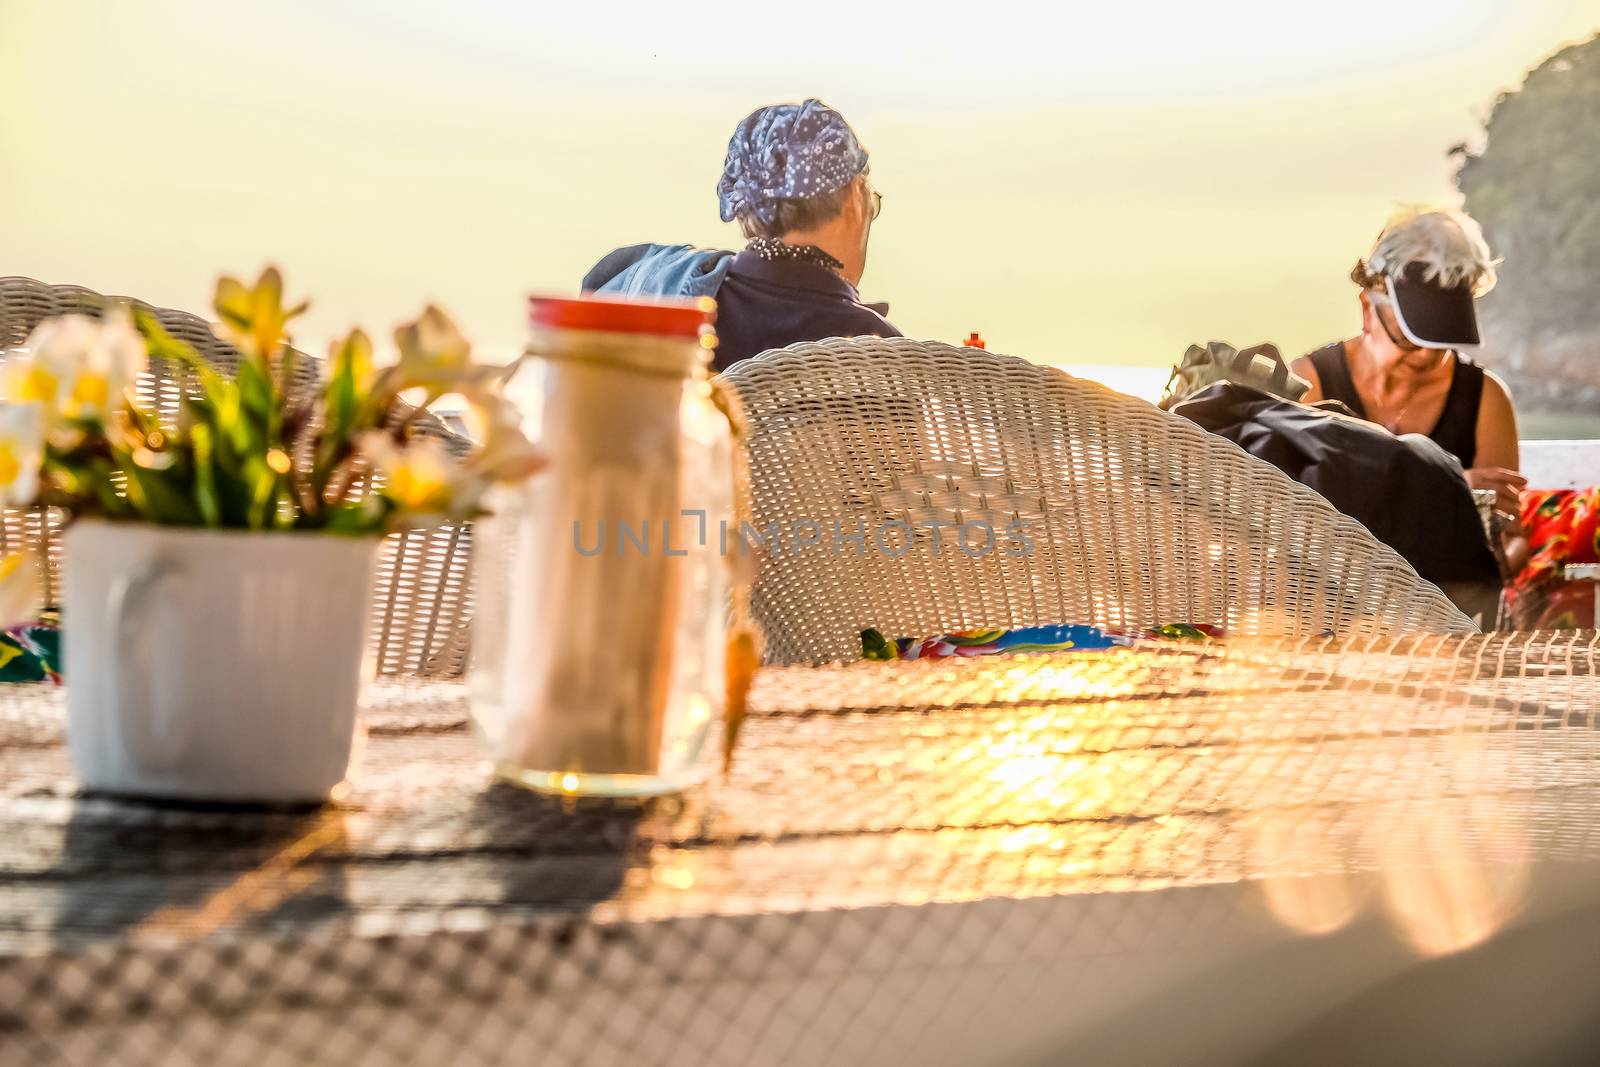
x=1301 y=769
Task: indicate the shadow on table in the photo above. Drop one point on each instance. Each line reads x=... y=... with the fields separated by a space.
x=561 y=854
x=184 y=869
x=1525 y=997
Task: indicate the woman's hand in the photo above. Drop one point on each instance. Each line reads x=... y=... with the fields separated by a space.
x=1514 y=547
x=1507 y=486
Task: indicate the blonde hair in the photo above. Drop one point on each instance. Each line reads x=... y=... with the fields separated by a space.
x=1447 y=243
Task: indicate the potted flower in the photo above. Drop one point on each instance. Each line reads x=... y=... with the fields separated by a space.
x=218 y=567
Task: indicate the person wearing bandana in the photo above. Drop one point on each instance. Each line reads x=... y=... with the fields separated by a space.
x=796 y=181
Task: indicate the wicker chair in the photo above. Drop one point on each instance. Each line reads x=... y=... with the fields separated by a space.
x=422 y=601
x=1136 y=517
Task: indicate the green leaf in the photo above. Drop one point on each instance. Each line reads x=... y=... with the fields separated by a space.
x=263 y=484
x=258 y=402
x=162 y=345
x=97 y=479
x=368 y=517
x=350 y=374
x=220 y=393
x=205 y=480
x=287 y=359
x=159 y=497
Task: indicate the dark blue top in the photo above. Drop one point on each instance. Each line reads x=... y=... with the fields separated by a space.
x=761 y=303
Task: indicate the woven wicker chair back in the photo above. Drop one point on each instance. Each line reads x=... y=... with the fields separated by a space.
x=1030 y=498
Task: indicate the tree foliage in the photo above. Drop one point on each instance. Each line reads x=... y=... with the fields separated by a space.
x=1535 y=187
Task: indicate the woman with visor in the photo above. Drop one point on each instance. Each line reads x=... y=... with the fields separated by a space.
x=1405 y=370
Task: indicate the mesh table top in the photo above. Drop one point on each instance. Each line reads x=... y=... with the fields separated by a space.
x=907 y=787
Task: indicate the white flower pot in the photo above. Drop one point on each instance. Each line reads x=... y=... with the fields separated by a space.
x=213 y=664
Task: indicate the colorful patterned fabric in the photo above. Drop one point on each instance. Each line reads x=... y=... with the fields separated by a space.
x=1563 y=527
x=1025 y=639
x=32 y=652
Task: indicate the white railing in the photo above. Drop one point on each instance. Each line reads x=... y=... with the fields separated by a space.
x=1561 y=464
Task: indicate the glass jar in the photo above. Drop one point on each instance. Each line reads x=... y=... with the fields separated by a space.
x=601 y=591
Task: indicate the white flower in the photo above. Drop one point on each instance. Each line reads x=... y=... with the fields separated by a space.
x=21 y=452
x=28 y=380
x=21 y=589
x=427 y=484
x=506 y=454
x=79 y=367
x=433 y=354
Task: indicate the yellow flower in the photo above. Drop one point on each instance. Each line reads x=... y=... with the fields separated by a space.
x=29 y=381
x=21 y=588
x=21 y=453
x=418 y=478
x=255 y=319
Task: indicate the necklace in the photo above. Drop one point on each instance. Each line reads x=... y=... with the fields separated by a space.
x=771 y=248
x=1392 y=423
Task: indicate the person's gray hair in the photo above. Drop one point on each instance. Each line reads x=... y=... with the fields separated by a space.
x=791 y=215
x=1449 y=245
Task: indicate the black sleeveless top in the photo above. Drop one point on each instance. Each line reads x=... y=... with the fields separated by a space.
x=1457 y=429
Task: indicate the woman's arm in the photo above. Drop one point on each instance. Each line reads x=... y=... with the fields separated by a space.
x=1497 y=460
x=1497 y=426
x=1307 y=370
x=1496 y=464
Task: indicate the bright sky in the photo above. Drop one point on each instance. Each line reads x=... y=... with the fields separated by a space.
x=1083 y=183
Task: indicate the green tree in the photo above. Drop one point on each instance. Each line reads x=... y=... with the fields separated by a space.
x=1535 y=187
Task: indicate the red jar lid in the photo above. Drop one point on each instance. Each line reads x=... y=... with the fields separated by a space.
x=663 y=318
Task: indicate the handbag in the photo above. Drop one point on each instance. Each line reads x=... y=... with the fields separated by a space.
x=1257 y=367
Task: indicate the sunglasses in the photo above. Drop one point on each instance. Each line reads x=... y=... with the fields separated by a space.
x=1383 y=300
x=877 y=204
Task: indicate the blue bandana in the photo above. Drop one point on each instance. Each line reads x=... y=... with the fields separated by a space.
x=787 y=152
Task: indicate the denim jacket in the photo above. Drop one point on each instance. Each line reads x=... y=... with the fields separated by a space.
x=661 y=271
x=761 y=304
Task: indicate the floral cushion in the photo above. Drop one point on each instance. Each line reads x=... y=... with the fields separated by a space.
x=1563 y=527
x=1025 y=639
x=32 y=652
